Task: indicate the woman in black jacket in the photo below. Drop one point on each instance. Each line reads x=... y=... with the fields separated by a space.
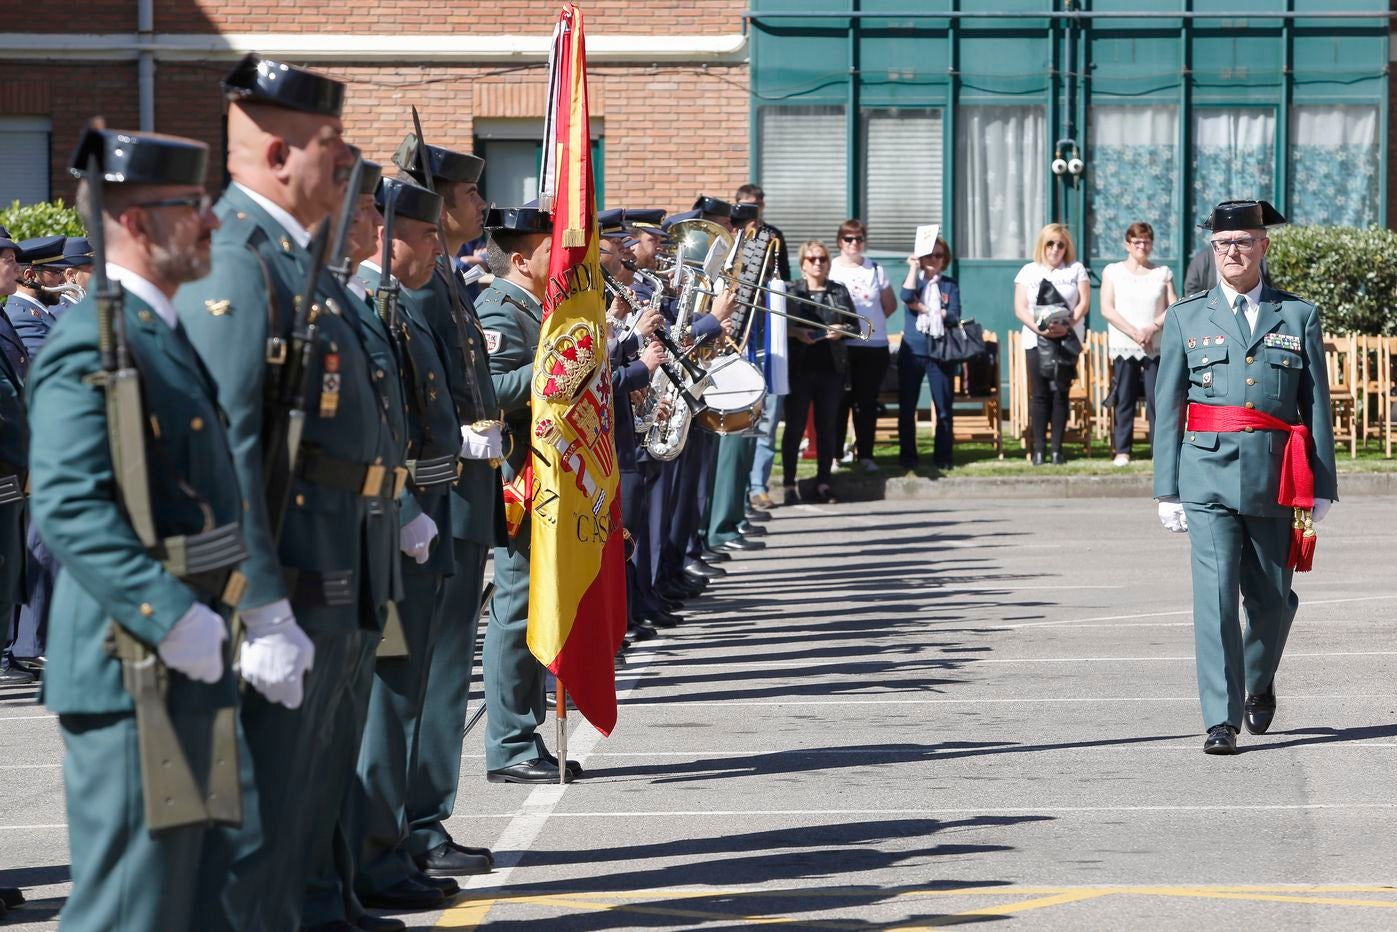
x=818 y=365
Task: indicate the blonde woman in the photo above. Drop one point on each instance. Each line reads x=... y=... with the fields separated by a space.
x=1054 y=261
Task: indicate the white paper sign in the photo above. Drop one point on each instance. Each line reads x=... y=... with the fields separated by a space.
x=926 y=239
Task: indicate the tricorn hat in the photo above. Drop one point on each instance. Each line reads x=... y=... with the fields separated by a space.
x=1242 y=215
x=369 y=173
x=446 y=164
x=712 y=205
x=530 y=218
x=140 y=158
x=260 y=79
x=744 y=213
x=409 y=200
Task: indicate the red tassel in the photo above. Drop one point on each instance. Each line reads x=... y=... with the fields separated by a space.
x=1292 y=559
x=1307 y=553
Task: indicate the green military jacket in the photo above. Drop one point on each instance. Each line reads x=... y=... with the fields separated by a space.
x=475 y=500
x=511 y=319
x=107 y=572
x=431 y=430
x=238 y=317
x=1280 y=370
x=14 y=460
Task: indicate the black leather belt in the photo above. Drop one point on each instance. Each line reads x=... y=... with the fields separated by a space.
x=334 y=589
x=437 y=471
x=371 y=480
x=207 y=561
x=11 y=489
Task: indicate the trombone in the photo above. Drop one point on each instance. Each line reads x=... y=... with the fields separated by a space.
x=865 y=325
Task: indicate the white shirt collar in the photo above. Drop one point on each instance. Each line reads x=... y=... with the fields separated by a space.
x=1253 y=301
x=144 y=290
x=289 y=223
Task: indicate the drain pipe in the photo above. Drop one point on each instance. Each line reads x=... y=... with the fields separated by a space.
x=145 y=63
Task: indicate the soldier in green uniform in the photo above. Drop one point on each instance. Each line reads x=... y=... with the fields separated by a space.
x=511 y=312
x=14 y=466
x=328 y=569
x=475 y=505
x=1244 y=449
x=148 y=560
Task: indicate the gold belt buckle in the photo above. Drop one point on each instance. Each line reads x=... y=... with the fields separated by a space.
x=233 y=591
x=276 y=351
x=373 y=481
x=400 y=475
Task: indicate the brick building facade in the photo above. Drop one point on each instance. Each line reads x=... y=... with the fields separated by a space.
x=669 y=82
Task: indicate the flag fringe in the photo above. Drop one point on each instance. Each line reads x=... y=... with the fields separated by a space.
x=574 y=238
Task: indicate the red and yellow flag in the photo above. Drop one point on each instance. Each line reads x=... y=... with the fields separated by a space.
x=577 y=580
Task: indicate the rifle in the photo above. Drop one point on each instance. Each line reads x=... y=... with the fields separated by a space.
x=282 y=437
x=458 y=302
x=386 y=295
x=173 y=798
x=341 y=268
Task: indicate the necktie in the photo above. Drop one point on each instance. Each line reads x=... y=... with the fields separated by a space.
x=1240 y=306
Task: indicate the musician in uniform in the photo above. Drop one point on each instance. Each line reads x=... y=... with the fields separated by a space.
x=31 y=307
x=114 y=590
x=77 y=272
x=1244 y=450
x=328 y=570
x=14 y=464
x=476 y=519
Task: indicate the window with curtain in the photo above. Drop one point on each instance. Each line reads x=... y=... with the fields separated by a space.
x=1334 y=165
x=1132 y=169
x=1234 y=158
x=804 y=171
x=902 y=175
x=1002 y=156
x=24 y=152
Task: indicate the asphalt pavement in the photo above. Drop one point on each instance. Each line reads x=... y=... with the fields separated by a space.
x=918 y=714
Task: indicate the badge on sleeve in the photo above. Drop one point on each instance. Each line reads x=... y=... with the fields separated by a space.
x=492 y=341
x=1193 y=343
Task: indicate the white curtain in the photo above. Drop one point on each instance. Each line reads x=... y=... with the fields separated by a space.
x=1002 y=156
x=1234 y=158
x=1132 y=168
x=1334 y=165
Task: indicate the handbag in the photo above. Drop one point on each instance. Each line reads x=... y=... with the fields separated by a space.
x=961 y=343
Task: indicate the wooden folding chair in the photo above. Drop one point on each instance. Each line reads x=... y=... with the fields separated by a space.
x=986 y=424
x=1340 y=359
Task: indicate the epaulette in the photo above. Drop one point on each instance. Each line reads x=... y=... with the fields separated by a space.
x=1193 y=297
x=238 y=227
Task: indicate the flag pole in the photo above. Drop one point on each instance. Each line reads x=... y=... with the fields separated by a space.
x=560 y=708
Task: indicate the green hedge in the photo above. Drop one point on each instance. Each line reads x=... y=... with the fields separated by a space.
x=44 y=219
x=1349 y=273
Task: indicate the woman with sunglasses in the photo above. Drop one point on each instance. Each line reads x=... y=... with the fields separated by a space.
x=933 y=304
x=868 y=358
x=1134 y=296
x=817 y=364
x=1054 y=260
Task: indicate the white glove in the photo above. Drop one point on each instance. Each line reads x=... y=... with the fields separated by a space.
x=415 y=538
x=276 y=653
x=481 y=445
x=1322 y=506
x=1171 y=515
x=194 y=646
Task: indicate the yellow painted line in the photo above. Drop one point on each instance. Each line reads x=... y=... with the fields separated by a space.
x=467 y=914
x=1278 y=898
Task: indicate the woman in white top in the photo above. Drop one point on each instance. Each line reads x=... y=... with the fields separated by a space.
x=868 y=358
x=1135 y=295
x=1054 y=260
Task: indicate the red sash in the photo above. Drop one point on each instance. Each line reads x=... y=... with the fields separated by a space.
x=1297 y=486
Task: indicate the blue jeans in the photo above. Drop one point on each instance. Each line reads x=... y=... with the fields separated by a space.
x=766 y=444
x=911 y=369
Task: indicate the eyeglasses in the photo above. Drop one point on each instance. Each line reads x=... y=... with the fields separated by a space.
x=1223 y=246
x=1141 y=243
x=939 y=255
x=815 y=258
x=1054 y=244
x=852 y=239
x=200 y=202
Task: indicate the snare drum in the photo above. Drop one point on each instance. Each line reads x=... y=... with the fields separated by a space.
x=734 y=402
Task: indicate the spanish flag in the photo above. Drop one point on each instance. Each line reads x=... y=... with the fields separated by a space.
x=577 y=580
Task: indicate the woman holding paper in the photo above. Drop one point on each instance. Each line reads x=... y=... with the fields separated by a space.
x=933 y=304
x=1055 y=263
x=868 y=356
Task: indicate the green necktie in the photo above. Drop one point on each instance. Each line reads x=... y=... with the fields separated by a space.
x=1240 y=305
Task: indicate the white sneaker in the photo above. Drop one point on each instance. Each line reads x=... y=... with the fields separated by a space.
x=870 y=466
x=1122 y=459
x=848 y=456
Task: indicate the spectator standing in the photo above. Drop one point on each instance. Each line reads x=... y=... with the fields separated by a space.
x=933 y=304
x=867 y=284
x=1134 y=297
x=1054 y=261
x=818 y=364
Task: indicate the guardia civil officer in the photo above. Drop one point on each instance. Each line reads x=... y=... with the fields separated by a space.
x=149 y=560
x=14 y=466
x=476 y=518
x=328 y=567
x=511 y=313
x=1243 y=449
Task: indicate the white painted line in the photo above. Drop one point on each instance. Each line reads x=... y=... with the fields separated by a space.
x=730 y=703
x=25 y=718
x=31 y=766
x=1068 y=621
x=989 y=810
x=1337 y=744
x=738 y=664
x=26 y=828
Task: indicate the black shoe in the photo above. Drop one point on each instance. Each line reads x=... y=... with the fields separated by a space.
x=709 y=555
x=574 y=768
x=789 y=495
x=367 y=923
x=663 y=619
x=338 y=925
x=448 y=860
x=702 y=570
x=743 y=545
x=14 y=676
x=406 y=894
x=756 y=514
x=537 y=770
x=1037 y=457
x=446 y=885
x=485 y=853
x=670 y=605
x=1260 y=710
x=684 y=588
x=1222 y=739
x=1058 y=458
x=11 y=897
x=643 y=632
x=748 y=529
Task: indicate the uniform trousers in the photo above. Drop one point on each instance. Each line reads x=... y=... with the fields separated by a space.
x=659 y=515
x=1237 y=554
x=441 y=728
x=703 y=492
x=733 y=466
x=122 y=877
x=41 y=571
x=940 y=376
x=1133 y=377
x=513 y=676
x=687 y=472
